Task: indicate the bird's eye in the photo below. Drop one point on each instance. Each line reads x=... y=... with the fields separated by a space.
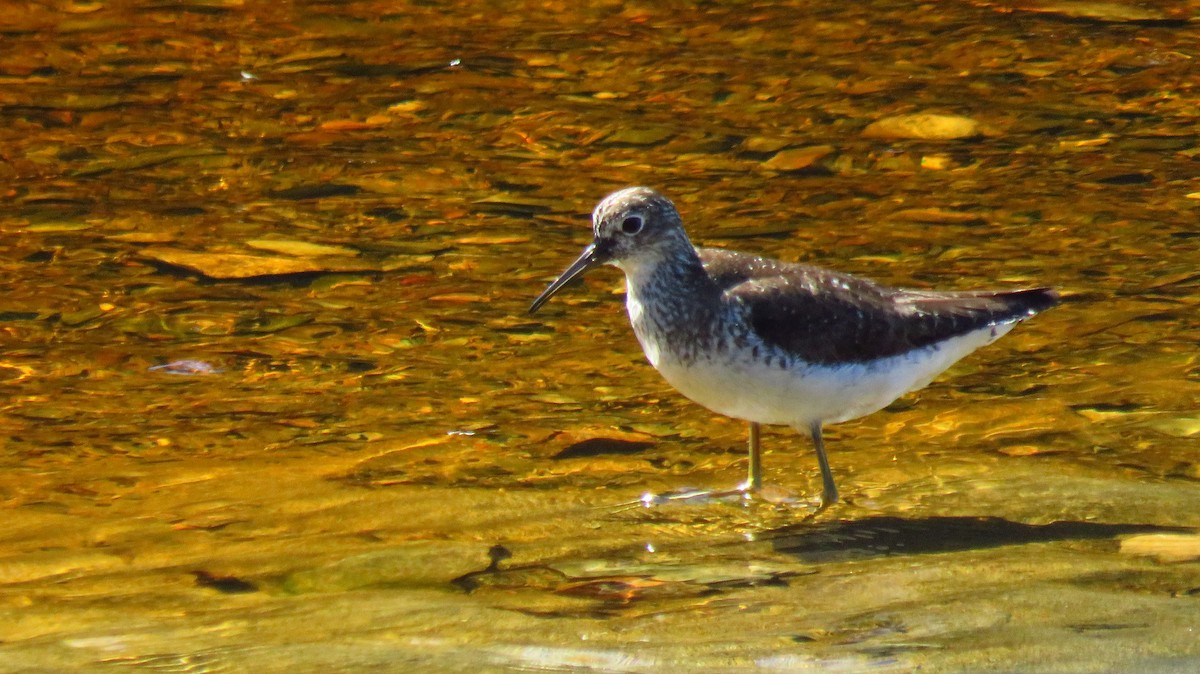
x=632 y=224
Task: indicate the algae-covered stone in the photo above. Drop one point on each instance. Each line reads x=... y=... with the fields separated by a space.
x=924 y=126
x=243 y=266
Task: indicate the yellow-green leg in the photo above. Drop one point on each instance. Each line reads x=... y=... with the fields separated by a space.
x=829 y=492
x=754 y=478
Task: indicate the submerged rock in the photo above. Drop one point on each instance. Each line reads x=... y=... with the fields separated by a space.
x=243 y=266
x=925 y=126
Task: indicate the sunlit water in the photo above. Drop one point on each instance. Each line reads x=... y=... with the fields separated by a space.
x=371 y=457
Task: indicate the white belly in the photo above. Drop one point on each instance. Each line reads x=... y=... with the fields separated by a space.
x=746 y=389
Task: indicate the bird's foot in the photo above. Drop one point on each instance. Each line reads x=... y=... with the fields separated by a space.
x=687 y=496
x=742 y=493
x=695 y=496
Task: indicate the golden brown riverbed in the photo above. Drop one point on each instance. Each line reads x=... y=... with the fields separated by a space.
x=273 y=403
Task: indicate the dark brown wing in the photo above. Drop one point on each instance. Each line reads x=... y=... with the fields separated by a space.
x=824 y=316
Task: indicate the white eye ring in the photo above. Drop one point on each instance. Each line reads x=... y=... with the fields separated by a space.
x=632 y=224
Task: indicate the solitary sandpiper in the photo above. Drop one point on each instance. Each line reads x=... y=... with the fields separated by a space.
x=774 y=342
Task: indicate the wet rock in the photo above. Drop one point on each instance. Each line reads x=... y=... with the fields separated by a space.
x=242 y=266
x=1164 y=547
x=300 y=248
x=764 y=144
x=796 y=159
x=1179 y=427
x=924 y=126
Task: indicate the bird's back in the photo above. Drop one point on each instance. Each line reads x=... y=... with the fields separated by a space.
x=824 y=316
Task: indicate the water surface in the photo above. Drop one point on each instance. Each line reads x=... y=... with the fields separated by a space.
x=336 y=214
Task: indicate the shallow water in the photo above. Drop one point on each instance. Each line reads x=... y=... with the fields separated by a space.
x=371 y=457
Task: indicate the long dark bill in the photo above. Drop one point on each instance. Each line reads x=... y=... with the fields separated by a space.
x=588 y=259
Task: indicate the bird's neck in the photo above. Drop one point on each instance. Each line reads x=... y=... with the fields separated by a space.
x=669 y=273
x=671 y=300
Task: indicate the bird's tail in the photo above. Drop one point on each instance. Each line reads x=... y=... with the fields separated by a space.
x=997 y=305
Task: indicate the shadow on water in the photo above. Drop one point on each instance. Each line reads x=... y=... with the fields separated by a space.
x=893 y=536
